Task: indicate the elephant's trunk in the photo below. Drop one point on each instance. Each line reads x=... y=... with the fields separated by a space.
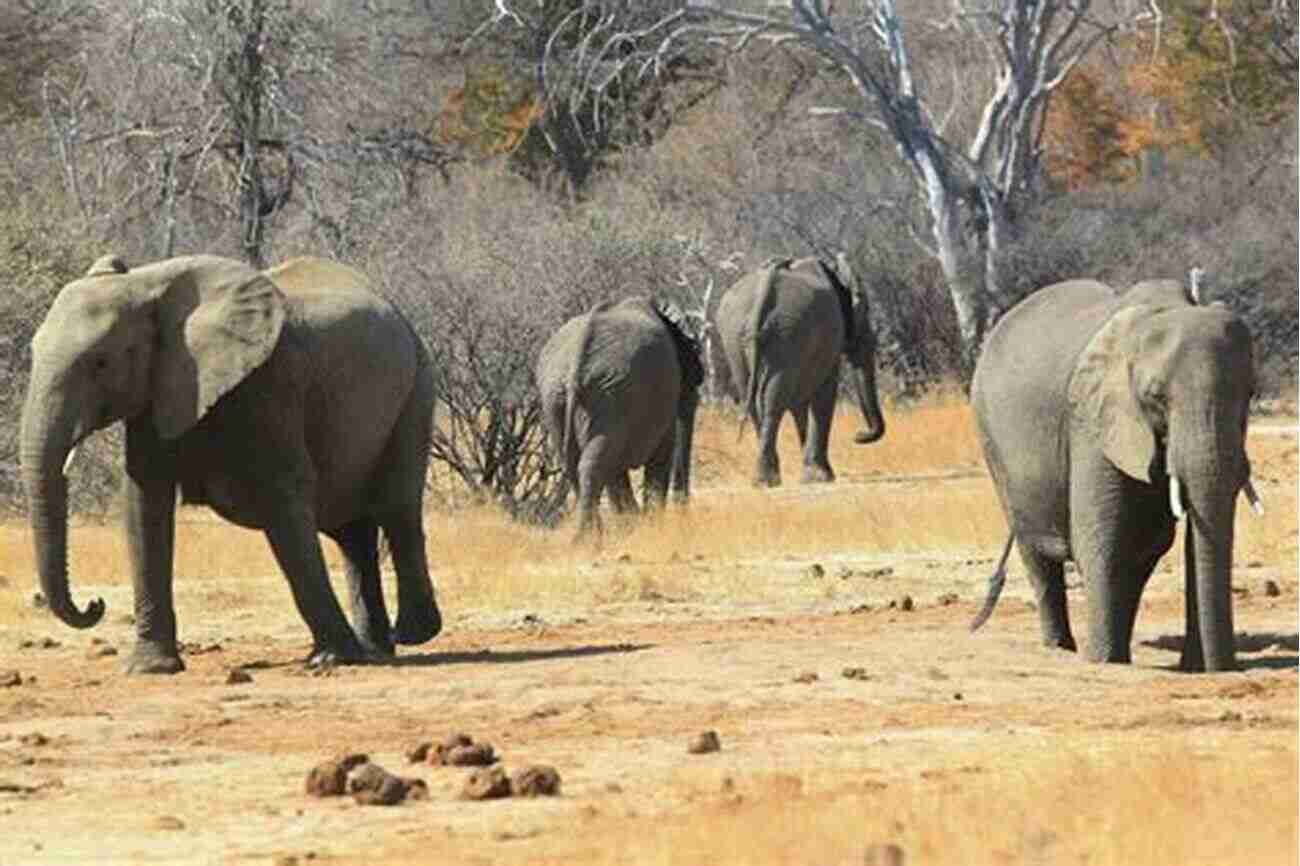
x=1209 y=497
x=46 y=439
x=863 y=374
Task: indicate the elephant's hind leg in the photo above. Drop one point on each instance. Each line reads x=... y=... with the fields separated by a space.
x=359 y=543
x=816 y=448
x=1047 y=577
x=418 y=616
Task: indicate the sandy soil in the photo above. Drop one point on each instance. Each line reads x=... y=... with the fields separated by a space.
x=833 y=686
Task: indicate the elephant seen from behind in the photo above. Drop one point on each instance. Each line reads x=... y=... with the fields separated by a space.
x=783 y=330
x=294 y=401
x=619 y=388
x=1105 y=418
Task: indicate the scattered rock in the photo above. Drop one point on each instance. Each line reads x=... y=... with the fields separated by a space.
x=237 y=676
x=947 y=598
x=884 y=855
x=807 y=677
x=957 y=696
x=1241 y=591
x=487 y=783
x=168 y=822
x=1271 y=589
x=535 y=781
x=883 y=571
x=10 y=678
x=102 y=651
x=815 y=571
x=860 y=608
x=704 y=743
x=903 y=602
x=855 y=674
x=36 y=738
x=198 y=649
x=330 y=778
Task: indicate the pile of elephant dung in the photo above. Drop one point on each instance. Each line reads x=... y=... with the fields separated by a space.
x=368 y=783
x=491 y=783
x=457 y=750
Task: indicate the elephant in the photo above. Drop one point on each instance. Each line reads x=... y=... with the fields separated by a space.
x=1104 y=418
x=782 y=331
x=619 y=387
x=294 y=401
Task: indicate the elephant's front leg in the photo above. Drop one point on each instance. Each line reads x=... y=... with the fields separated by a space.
x=150 y=521
x=293 y=539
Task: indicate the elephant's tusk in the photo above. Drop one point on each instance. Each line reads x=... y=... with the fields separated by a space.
x=1176 y=497
x=1256 y=505
x=67 y=463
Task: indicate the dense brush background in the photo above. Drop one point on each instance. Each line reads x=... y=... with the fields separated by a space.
x=405 y=138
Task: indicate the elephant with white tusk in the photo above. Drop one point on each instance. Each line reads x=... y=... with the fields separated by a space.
x=1104 y=419
x=293 y=400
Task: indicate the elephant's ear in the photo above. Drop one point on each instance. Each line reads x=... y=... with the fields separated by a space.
x=840 y=276
x=1102 y=398
x=217 y=321
x=688 y=347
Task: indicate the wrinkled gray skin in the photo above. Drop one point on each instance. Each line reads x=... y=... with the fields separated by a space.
x=619 y=387
x=1087 y=402
x=293 y=401
x=783 y=330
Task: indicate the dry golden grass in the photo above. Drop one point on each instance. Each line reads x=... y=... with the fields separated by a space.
x=479 y=557
x=1172 y=804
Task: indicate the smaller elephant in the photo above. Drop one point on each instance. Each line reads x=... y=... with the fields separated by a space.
x=294 y=400
x=783 y=330
x=619 y=388
x=1105 y=418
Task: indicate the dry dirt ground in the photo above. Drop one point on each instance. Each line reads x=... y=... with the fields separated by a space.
x=848 y=718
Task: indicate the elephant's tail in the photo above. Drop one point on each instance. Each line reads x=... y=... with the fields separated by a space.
x=757 y=370
x=996 y=581
x=572 y=389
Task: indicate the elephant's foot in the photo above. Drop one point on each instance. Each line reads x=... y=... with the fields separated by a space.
x=377 y=648
x=817 y=474
x=417 y=628
x=322 y=657
x=1065 y=644
x=154 y=657
x=767 y=479
x=1109 y=655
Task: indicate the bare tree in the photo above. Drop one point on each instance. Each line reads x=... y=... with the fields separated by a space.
x=969 y=180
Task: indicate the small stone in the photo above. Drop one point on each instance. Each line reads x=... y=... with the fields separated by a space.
x=1271 y=589
x=948 y=598
x=704 y=743
x=99 y=652
x=487 y=783
x=884 y=855
x=536 y=781
x=10 y=678
x=238 y=676
x=815 y=571
x=807 y=677
x=168 y=822
x=855 y=674
x=48 y=643
x=36 y=738
x=860 y=608
x=957 y=696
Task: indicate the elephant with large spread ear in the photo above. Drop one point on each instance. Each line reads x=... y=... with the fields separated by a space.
x=1104 y=419
x=783 y=330
x=293 y=400
x=619 y=387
